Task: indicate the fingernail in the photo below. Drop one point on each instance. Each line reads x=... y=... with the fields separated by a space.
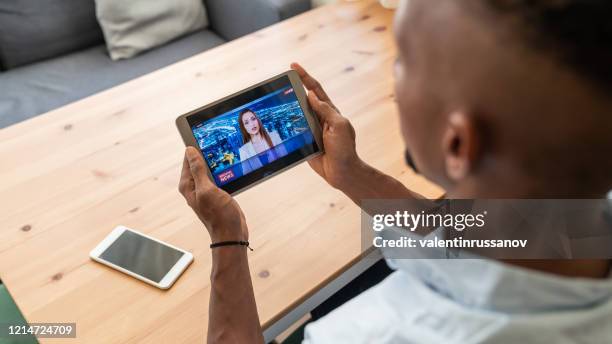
x=189 y=152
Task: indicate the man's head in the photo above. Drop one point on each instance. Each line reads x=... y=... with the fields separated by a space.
x=508 y=98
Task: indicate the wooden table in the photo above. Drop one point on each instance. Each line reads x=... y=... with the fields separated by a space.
x=68 y=177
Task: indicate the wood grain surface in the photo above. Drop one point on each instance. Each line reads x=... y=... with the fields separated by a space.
x=68 y=177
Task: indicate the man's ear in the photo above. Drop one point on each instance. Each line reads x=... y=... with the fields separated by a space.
x=459 y=146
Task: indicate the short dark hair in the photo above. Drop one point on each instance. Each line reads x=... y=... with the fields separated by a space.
x=576 y=32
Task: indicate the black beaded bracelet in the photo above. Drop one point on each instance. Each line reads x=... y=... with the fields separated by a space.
x=231 y=243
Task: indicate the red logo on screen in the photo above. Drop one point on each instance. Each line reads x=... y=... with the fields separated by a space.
x=225 y=176
x=288 y=91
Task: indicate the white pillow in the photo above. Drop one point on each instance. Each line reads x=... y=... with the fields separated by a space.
x=131 y=27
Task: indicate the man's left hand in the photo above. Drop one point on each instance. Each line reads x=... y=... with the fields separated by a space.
x=219 y=212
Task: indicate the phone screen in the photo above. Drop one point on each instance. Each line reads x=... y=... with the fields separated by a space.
x=142 y=256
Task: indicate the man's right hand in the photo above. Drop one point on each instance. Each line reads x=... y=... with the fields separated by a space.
x=340 y=158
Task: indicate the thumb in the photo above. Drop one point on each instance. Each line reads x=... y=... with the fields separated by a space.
x=197 y=168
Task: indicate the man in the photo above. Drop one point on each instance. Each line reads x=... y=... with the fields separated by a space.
x=497 y=99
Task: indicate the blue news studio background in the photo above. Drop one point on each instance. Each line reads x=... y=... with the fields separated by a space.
x=220 y=138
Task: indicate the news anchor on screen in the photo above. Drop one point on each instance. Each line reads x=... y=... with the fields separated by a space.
x=257 y=140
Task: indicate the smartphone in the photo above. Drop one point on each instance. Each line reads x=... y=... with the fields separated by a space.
x=141 y=256
x=254 y=134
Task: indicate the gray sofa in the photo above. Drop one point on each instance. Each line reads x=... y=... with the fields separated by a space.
x=60 y=56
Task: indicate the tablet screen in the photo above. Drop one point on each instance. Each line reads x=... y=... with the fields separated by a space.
x=254 y=134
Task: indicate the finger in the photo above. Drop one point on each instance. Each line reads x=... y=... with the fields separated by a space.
x=323 y=110
x=186 y=177
x=197 y=169
x=311 y=83
x=186 y=184
x=317 y=165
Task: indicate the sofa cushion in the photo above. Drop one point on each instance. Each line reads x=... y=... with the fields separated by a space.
x=33 y=30
x=40 y=87
x=235 y=18
x=132 y=27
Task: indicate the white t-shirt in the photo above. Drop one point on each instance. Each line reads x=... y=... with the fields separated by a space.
x=471 y=301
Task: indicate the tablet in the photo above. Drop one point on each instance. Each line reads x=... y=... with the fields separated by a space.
x=254 y=134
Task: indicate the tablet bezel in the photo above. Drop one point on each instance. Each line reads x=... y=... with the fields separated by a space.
x=184 y=128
